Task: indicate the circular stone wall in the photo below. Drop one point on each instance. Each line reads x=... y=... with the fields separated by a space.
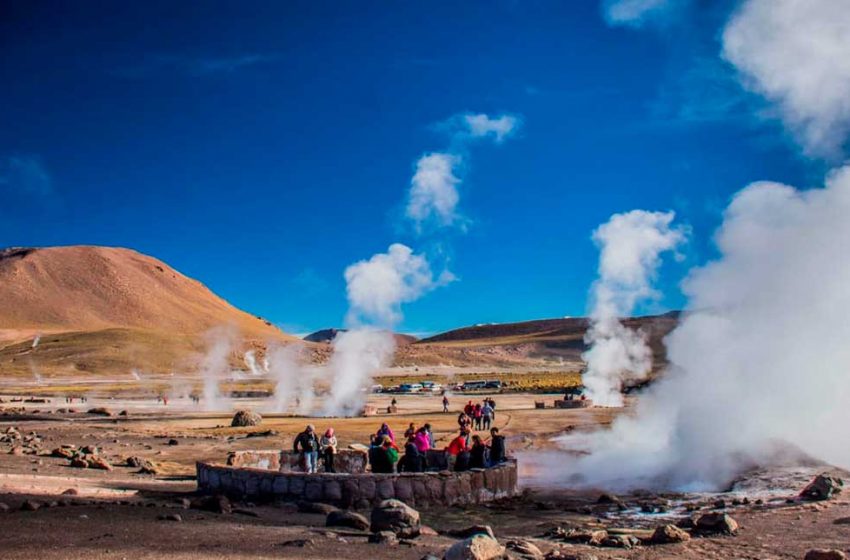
x=360 y=490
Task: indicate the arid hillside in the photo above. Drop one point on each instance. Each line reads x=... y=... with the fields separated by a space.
x=83 y=288
x=540 y=343
x=107 y=310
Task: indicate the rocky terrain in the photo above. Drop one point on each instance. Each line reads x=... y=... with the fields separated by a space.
x=99 y=483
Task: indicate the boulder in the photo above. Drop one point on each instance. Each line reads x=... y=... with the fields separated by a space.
x=30 y=505
x=667 y=534
x=316 y=507
x=383 y=537
x=620 y=541
x=244 y=418
x=716 y=524
x=471 y=531
x=347 y=519
x=79 y=463
x=478 y=547
x=62 y=452
x=396 y=516
x=823 y=487
x=823 y=554
x=99 y=411
x=99 y=463
x=525 y=549
x=215 y=504
x=586 y=536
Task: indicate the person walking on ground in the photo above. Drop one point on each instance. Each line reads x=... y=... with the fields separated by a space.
x=307 y=444
x=498 y=449
x=469 y=409
x=486 y=415
x=492 y=402
x=477 y=415
x=329 y=447
x=445 y=403
x=477 y=454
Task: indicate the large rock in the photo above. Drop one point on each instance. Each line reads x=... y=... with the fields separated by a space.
x=525 y=549
x=667 y=534
x=478 y=547
x=347 y=519
x=823 y=487
x=471 y=531
x=396 y=516
x=244 y=418
x=716 y=524
x=822 y=554
x=215 y=504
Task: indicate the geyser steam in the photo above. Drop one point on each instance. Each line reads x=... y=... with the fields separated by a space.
x=759 y=362
x=631 y=246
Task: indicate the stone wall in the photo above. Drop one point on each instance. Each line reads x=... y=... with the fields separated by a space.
x=360 y=490
x=348 y=461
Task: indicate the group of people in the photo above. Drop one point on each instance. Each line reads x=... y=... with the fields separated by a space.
x=464 y=452
x=480 y=415
x=310 y=447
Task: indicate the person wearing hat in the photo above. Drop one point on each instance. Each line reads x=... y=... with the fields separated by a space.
x=307 y=444
x=329 y=446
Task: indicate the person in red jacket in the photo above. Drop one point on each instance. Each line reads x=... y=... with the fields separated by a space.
x=459 y=446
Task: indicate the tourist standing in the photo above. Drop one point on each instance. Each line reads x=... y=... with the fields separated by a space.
x=477 y=454
x=329 y=447
x=410 y=431
x=486 y=415
x=307 y=444
x=477 y=415
x=445 y=403
x=385 y=430
x=498 y=449
x=427 y=428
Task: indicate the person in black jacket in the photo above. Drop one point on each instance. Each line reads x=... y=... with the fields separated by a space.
x=307 y=443
x=412 y=460
x=498 y=450
x=477 y=454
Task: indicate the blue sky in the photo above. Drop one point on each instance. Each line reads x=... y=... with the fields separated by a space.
x=262 y=148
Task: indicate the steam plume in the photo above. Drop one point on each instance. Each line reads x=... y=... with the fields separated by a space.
x=630 y=245
x=758 y=363
x=215 y=365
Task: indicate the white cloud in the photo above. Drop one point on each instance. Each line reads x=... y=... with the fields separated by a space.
x=465 y=127
x=796 y=53
x=377 y=287
x=635 y=13
x=433 y=190
x=499 y=128
x=24 y=174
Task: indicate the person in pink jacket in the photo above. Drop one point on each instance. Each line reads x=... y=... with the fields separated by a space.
x=421 y=440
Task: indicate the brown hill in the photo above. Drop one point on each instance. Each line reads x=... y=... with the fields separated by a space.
x=91 y=288
x=104 y=309
x=544 y=342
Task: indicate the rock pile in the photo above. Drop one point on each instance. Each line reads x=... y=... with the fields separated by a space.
x=20 y=444
x=244 y=418
x=396 y=517
x=87 y=457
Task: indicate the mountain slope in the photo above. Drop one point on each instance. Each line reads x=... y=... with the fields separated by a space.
x=82 y=288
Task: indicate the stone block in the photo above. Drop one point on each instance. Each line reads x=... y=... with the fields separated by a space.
x=313 y=490
x=280 y=485
x=332 y=491
x=296 y=486
x=404 y=489
x=385 y=489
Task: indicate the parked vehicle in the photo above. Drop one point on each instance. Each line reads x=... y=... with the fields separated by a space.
x=473 y=385
x=410 y=388
x=493 y=384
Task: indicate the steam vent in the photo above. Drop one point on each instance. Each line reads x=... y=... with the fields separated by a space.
x=270 y=476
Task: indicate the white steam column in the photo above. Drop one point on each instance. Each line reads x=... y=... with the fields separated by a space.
x=630 y=246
